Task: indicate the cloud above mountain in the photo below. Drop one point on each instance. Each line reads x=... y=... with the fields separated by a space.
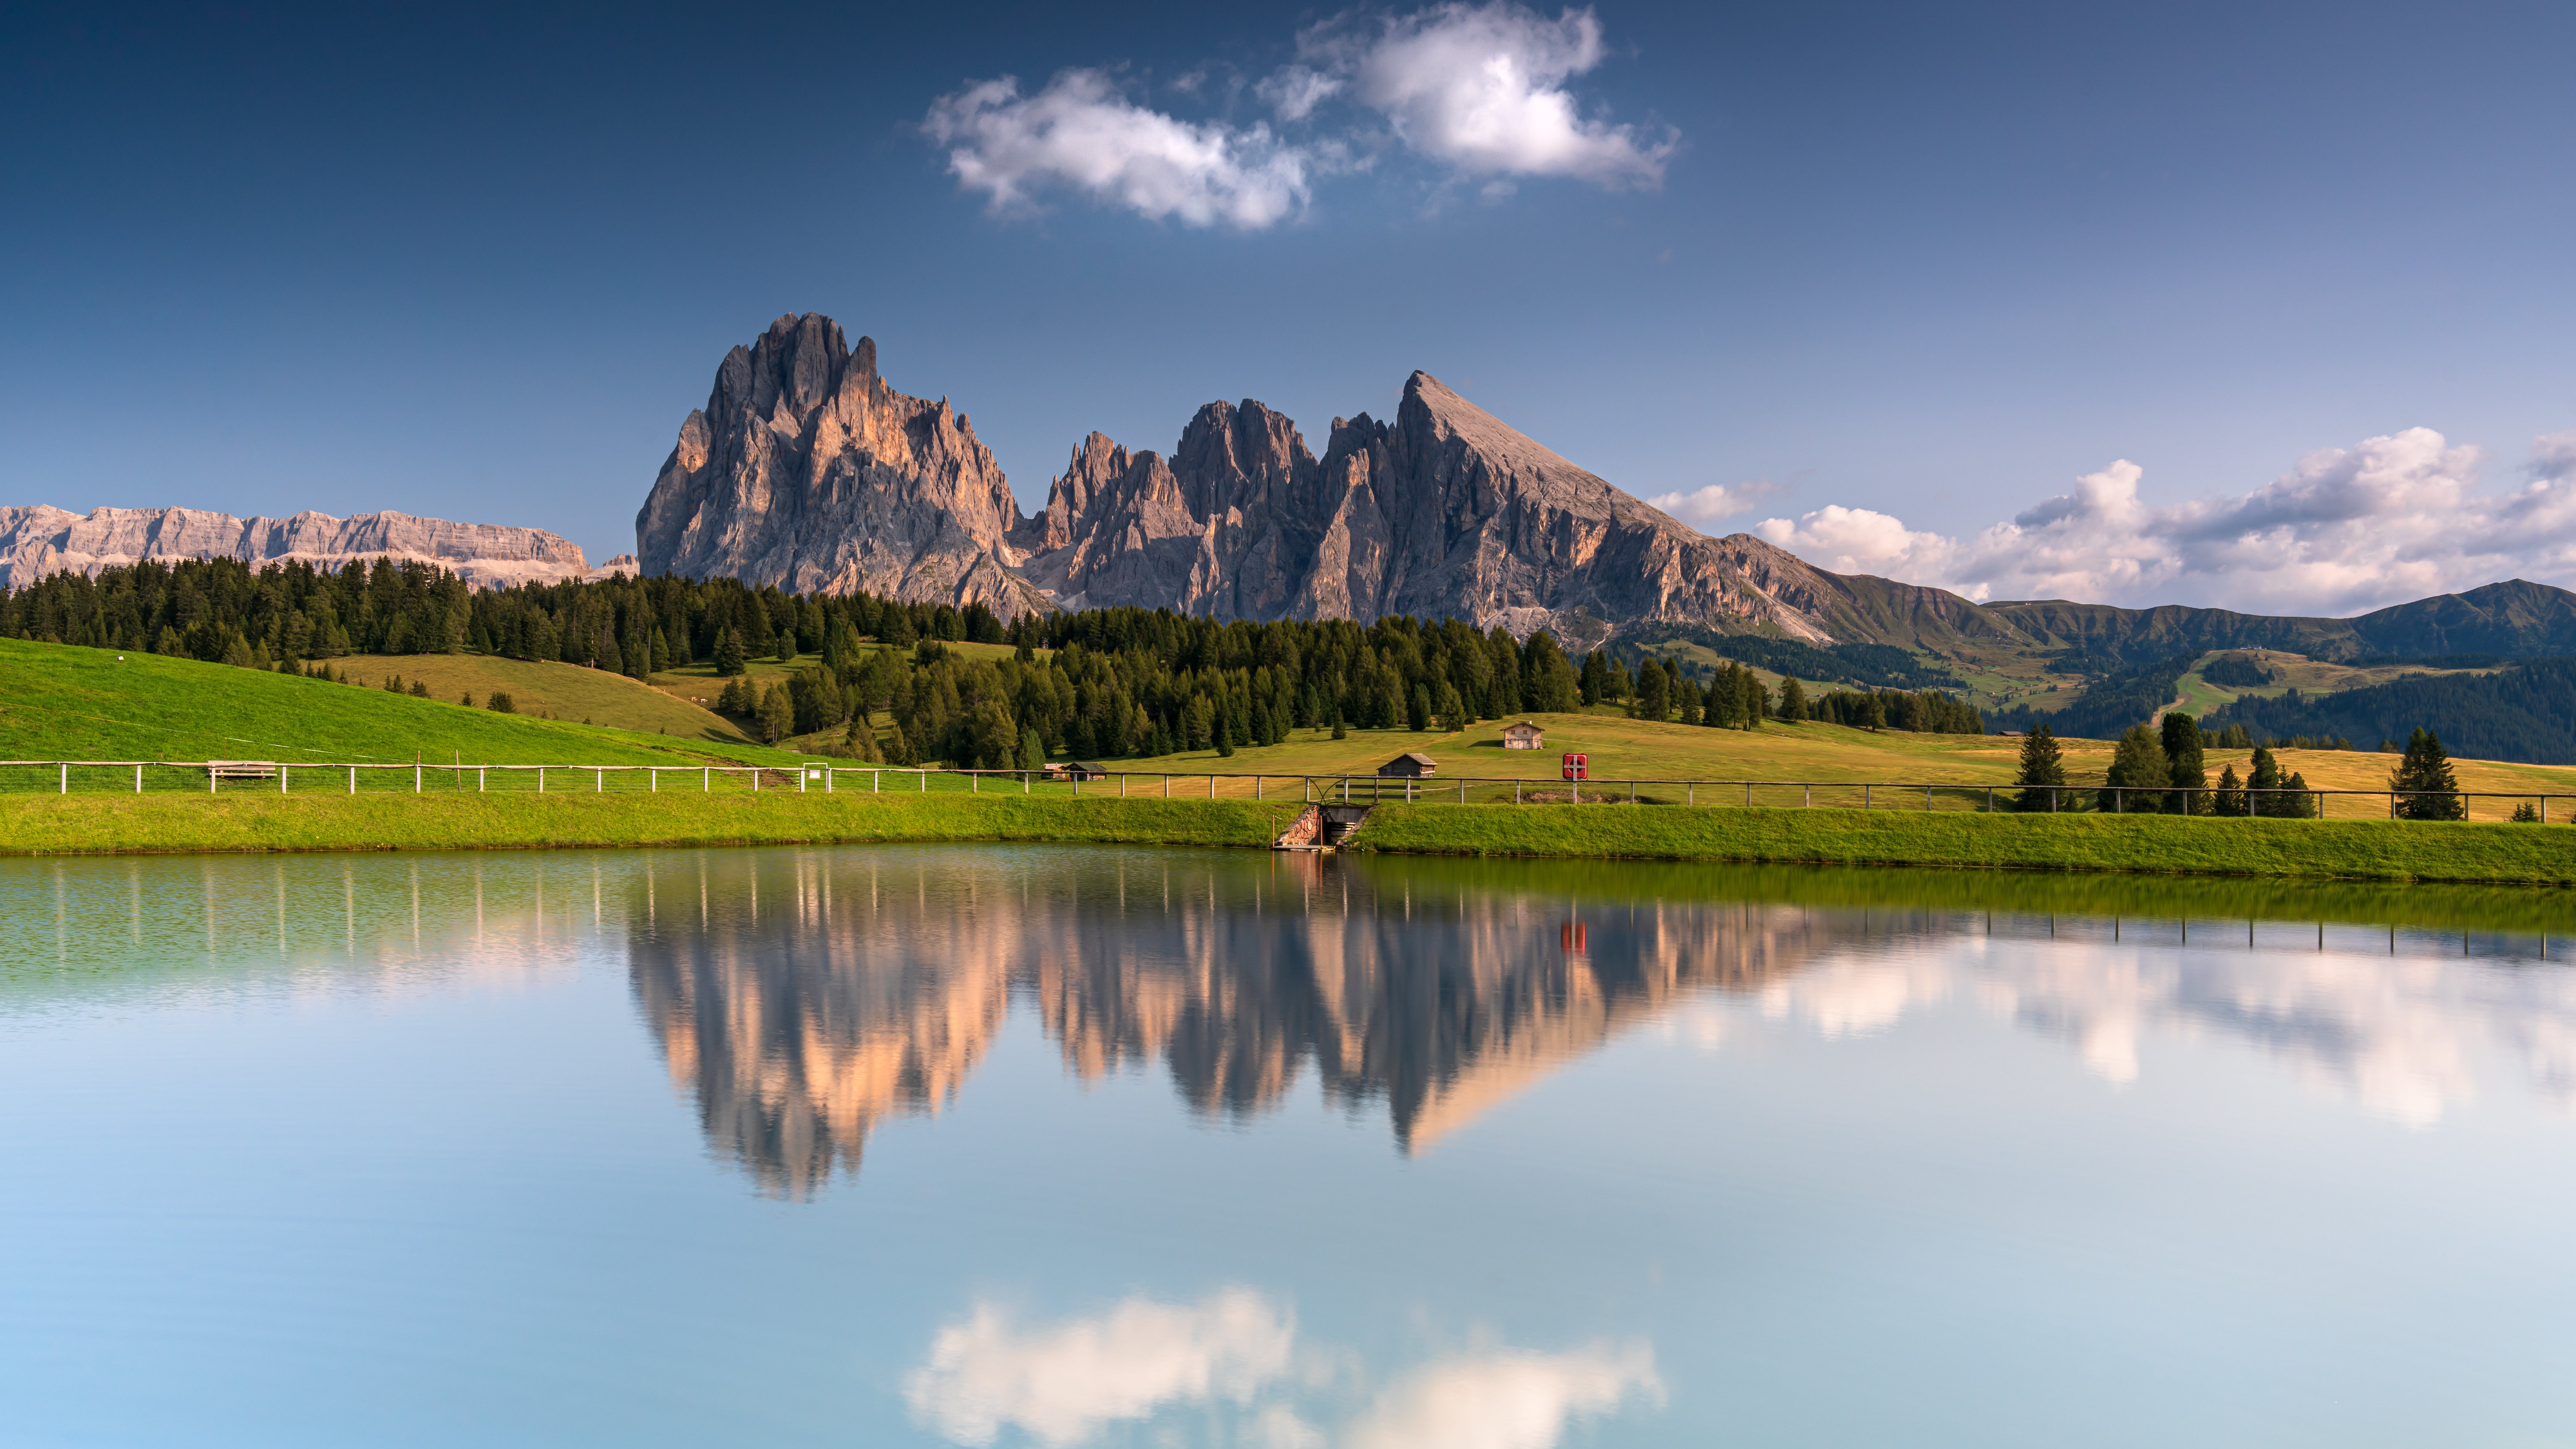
x=2344 y=531
x=1479 y=93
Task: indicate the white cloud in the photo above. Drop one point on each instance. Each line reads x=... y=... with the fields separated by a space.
x=2553 y=457
x=2348 y=529
x=1505 y=1399
x=1063 y=1383
x=1081 y=135
x=1713 y=503
x=1294 y=91
x=1482 y=87
x=1479 y=89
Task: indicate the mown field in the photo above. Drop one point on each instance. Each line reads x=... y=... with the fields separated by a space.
x=1624 y=750
x=59 y=702
x=2267 y=849
x=151 y=824
x=550 y=690
x=2340 y=849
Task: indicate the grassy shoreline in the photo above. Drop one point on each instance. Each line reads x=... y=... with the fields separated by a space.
x=2149 y=845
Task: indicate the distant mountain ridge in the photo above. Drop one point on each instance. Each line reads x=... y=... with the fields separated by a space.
x=806 y=471
x=39 y=541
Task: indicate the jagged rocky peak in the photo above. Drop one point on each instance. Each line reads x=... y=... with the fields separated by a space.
x=807 y=470
x=38 y=541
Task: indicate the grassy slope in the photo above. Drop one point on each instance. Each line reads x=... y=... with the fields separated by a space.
x=2353 y=850
x=75 y=824
x=58 y=702
x=562 y=691
x=1623 y=749
x=2348 y=849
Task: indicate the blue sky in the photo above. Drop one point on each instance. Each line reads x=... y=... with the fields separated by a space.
x=1888 y=277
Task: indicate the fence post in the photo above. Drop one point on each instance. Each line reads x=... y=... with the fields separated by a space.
x=800 y=777
x=1990 y=799
x=1516 y=792
x=281 y=778
x=755 y=779
x=1927 y=799
x=1256 y=787
x=415 y=777
x=925 y=780
x=138 y=777
x=2119 y=800
x=1462 y=789
x=1864 y=797
x=1810 y=802
x=353 y=779
x=1211 y=787
x=1408 y=789
x=541 y=779
x=652 y=779
x=65 y=786
x=599 y=786
x=706 y=778
x=1167 y=787
x=974 y=783
x=478 y=778
x=1748 y=793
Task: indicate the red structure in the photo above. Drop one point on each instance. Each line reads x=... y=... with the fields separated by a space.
x=1576 y=767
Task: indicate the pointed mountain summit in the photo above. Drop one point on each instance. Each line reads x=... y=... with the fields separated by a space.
x=807 y=471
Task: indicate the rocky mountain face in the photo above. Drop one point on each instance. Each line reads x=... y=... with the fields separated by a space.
x=807 y=471
x=1445 y=511
x=38 y=541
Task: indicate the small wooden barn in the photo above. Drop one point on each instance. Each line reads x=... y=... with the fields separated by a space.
x=1524 y=736
x=1078 y=771
x=1409 y=765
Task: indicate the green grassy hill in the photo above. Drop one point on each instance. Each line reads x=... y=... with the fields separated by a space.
x=60 y=702
x=561 y=691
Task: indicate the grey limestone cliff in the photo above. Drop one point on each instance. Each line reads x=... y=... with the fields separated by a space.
x=806 y=470
x=38 y=541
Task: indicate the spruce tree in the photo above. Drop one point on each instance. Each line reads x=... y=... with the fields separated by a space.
x=1752 y=700
x=1691 y=700
x=2266 y=777
x=728 y=654
x=1793 y=701
x=2139 y=759
x=2183 y=743
x=2229 y=798
x=2427 y=771
x=2042 y=765
x=1417 y=713
x=2301 y=805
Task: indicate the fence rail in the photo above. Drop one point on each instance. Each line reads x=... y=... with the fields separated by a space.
x=287 y=777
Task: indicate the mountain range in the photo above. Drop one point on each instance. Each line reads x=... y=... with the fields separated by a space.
x=808 y=471
x=38 y=541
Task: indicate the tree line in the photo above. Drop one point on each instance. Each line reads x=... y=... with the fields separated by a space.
x=2526 y=713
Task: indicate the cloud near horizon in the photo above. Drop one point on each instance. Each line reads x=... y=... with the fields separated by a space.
x=2347 y=530
x=1071 y=1381
x=1478 y=90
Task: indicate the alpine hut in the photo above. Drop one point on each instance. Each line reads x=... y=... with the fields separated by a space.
x=1409 y=765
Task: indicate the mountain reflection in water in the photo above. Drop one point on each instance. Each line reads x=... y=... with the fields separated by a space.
x=804 y=996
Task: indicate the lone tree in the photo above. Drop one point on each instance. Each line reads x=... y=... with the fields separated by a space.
x=2182 y=742
x=728 y=655
x=2427 y=770
x=2229 y=798
x=2138 y=760
x=2042 y=765
x=2266 y=777
x=1793 y=701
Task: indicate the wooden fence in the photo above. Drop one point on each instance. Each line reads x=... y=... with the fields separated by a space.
x=217 y=777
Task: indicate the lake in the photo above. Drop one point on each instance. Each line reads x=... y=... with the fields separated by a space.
x=1079 y=1146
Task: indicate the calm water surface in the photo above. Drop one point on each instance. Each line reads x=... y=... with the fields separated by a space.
x=1044 y=1146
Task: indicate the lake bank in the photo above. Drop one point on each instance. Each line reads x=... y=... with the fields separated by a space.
x=2309 y=849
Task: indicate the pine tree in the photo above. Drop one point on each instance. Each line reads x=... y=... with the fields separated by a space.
x=777 y=715
x=1793 y=701
x=2183 y=744
x=1654 y=692
x=2043 y=765
x=1452 y=709
x=611 y=658
x=2229 y=798
x=1032 y=749
x=1752 y=699
x=2427 y=771
x=728 y=654
x=1417 y=713
x=2266 y=778
x=1340 y=732
x=2299 y=805
x=2139 y=759
x=1690 y=699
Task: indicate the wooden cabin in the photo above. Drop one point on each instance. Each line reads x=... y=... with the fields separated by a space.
x=1077 y=771
x=1409 y=765
x=1524 y=736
